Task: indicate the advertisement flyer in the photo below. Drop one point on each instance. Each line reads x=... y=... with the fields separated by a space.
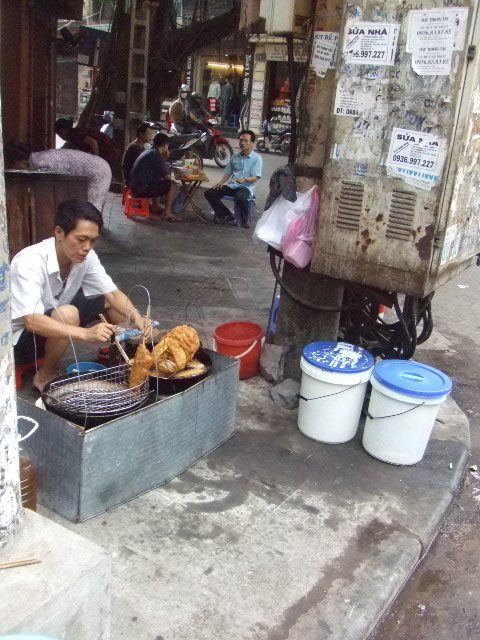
x=324 y=52
x=416 y=156
x=350 y=102
x=432 y=37
x=370 y=42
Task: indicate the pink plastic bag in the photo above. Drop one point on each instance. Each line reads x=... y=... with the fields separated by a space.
x=297 y=244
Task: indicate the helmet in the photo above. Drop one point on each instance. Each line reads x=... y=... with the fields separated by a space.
x=196 y=96
x=184 y=87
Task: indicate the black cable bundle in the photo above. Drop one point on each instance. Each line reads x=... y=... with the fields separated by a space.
x=397 y=339
x=360 y=323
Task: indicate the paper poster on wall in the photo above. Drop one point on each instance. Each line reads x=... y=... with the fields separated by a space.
x=450 y=244
x=324 y=52
x=415 y=156
x=421 y=23
x=432 y=37
x=354 y=99
x=370 y=42
x=347 y=101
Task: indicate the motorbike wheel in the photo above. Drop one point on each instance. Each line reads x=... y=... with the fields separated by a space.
x=222 y=154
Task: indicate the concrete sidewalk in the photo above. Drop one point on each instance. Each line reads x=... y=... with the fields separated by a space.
x=271 y=536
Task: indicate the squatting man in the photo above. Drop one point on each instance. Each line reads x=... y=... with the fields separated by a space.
x=59 y=287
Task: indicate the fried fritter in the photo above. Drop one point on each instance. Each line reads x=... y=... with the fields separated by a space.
x=170 y=356
x=193 y=368
x=188 y=338
x=142 y=362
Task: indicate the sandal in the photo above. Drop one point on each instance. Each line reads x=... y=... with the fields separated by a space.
x=170 y=218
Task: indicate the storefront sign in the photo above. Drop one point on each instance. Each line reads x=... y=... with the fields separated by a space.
x=246 y=88
x=278 y=53
x=188 y=71
x=370 y=42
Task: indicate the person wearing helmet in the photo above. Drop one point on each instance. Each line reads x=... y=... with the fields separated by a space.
x=179 y=112
x=195 y=107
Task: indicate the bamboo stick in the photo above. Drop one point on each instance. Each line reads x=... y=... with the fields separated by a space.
x=19 y=563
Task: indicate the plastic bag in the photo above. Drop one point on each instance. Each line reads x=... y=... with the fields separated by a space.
x=179 y=202
x=298 y=240
x=274 y=222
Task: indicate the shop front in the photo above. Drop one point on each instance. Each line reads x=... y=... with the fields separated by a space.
x=270 y=94
x=218 y=78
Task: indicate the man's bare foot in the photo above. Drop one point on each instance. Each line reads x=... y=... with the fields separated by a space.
x=43 y=377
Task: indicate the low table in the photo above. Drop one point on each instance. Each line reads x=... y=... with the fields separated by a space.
x=190 y=185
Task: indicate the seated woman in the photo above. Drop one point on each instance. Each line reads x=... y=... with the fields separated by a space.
x=69 y=161
x=86 y=139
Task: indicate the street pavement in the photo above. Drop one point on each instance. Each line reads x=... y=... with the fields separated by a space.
x=273 y=535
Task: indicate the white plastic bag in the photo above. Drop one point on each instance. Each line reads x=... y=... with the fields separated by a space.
x=274 y=222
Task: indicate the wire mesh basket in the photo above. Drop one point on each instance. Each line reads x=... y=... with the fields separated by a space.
x=98 y=393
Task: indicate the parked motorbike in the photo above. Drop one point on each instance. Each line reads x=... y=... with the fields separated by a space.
x=181 y=145
x=215 y=146
x=275 y=137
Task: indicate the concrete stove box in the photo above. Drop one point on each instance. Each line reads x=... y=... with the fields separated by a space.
x=82 y=473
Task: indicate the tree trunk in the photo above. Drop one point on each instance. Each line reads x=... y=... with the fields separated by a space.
x=10 y=505
x=296 y=324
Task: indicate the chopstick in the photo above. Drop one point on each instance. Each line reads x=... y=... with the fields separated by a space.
x=147 y=318
x=19 y=563
x=117 y=341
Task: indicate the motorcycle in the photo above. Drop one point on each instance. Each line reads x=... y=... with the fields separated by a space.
x=215 y=146
x=275 y=137
x=180 y=145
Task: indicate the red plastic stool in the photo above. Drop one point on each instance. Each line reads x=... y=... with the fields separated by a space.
x=21 y=368
x=137 y=207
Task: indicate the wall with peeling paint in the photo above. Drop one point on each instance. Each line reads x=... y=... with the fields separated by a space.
x=379 y=228
x=10 y=509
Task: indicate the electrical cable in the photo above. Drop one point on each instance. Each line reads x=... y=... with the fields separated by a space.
x=360 y=323
x=296 y=297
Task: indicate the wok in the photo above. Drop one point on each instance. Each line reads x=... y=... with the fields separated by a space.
x=169 y=385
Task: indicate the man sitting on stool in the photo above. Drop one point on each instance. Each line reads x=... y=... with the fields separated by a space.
x=59 y=286
x=241 y=173
x=150 y=177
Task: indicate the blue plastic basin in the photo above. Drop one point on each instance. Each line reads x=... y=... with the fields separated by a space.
x=85 y=367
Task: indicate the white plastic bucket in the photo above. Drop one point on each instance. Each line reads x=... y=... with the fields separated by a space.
x=330 y=403
x=398 y=425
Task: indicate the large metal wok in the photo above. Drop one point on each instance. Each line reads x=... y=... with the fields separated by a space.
x=167 y=385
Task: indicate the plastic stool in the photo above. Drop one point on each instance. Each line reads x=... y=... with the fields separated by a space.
x=21 y=368
x=137 y=207
x=236 y=210
x=125 y=194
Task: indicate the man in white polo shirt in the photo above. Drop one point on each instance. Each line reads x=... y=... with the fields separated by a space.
x=59 y=286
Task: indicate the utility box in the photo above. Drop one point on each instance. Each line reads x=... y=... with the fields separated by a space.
x=400 y=202
x=285 y=16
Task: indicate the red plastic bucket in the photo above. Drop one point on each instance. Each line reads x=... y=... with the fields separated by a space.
x=242 y=340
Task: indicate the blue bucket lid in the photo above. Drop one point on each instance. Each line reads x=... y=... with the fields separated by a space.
x=339 y=357
x=412 y=378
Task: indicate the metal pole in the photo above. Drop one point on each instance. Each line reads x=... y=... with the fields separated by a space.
x=10 y=502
